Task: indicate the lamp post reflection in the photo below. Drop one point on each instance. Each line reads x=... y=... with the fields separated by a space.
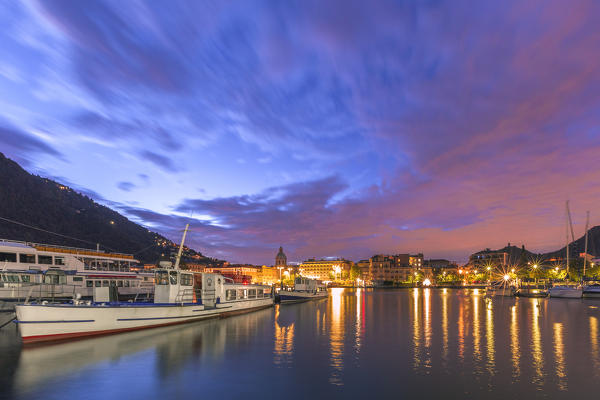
x=536 y=345
x=559 y=356
x=514 y=343
x=416 y=330
x=594 y=345
x=489 y=339
x=336 y=337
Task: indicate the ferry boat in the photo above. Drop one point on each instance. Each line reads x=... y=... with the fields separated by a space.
x=179 y=297
x=57 y=273
x=305 y=289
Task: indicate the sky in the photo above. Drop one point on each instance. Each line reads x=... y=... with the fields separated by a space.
x=332 y=128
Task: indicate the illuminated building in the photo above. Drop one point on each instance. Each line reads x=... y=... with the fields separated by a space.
x=325 y=270
x=393 y=268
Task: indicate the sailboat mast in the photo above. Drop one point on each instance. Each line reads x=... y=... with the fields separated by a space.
x=587 y=222
x=567 y=230
x=178 y=259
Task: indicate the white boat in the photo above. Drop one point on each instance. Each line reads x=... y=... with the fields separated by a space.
x=180 y=296
x=55 y=273
x=305 y=289
x=592 y=290
x=566 y=291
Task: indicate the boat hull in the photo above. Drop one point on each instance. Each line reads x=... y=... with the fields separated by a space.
x=40 y=323
x=535 y=293
x=566 y=293
x=299 y=297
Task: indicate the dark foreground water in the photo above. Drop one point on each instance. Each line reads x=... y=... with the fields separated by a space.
x=429 y=343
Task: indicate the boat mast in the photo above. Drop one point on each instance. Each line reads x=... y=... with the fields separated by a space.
x=178 y=259
x=587 y=221
x=567 y=231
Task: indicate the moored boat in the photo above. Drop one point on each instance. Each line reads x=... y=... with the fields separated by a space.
x=532 y=291
x=592 y=290
x=305 y=289
x=566 y=291
x=180 y=296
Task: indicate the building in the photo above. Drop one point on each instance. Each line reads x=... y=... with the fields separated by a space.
x=489 y=257
x=280 y=259
x=393 y=268
x=269 y=275
x=325 y=270
x=364 y=267
x=439 y=266
x=238 y=272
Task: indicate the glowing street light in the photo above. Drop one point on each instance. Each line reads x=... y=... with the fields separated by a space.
x=506 y=277
x=535 y=266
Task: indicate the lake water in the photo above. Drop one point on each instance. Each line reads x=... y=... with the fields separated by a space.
x=356 y=344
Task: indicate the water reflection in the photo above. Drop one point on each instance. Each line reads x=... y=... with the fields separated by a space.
x=536 y=344
x=489 y=339
x=336 y=336
x=356 y=344
x=594 y=345
x=444 y=325
x=559 y=356
x=284 y=341
x=416 y=330
x=514 y=343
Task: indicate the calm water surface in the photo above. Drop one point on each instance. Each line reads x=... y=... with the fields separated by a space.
x=356 y=344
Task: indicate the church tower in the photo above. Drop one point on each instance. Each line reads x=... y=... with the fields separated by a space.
x=281 y=259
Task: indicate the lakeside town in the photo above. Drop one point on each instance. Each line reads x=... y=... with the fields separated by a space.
x=411 y=269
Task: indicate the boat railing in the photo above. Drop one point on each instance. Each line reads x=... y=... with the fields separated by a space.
x=147 y=292
x=185 y=296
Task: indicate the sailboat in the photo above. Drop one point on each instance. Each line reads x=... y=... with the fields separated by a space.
x=180 y=296
x=567 y=290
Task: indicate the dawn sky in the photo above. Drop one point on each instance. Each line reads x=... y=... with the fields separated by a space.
x=331 y=128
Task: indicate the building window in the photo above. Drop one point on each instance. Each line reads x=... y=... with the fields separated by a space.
x=8 y=257
x=27 y=258
x=45 y=260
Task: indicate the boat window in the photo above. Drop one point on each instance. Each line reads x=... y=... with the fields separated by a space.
x=105 y=283
x=240 y=294
x=119 y=283
x=230 y=294
x=27 y=258
x=173 y=277
x=25 y=278
x=45 y=260
x=13 y=278
x=161 y=278
x=186 y=279
x=126 y=283
x=259 y=293
x=89 y=283
x=113 y=283
x=59 y=261
x=77 y=279
x=251 y=293
x=97 y=283
x=8 y=257
x=51 y=279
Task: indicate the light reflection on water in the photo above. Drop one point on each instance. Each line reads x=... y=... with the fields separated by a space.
x=355 y=344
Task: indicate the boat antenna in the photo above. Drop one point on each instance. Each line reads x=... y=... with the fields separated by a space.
x=587 y=222
x=178 y=259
